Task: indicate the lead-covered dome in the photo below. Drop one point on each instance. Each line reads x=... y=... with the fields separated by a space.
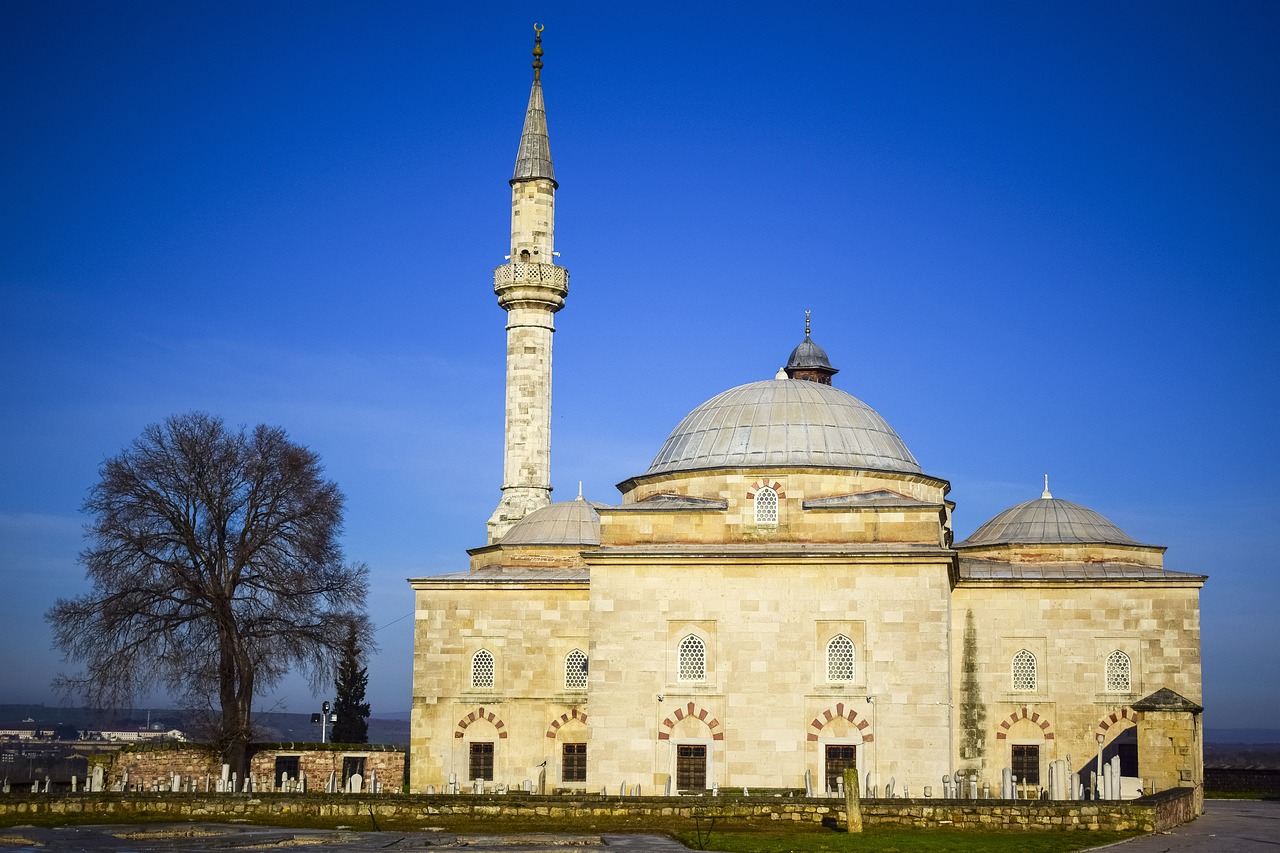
x=1048 y=521
x=565 y=523
x=784 y=422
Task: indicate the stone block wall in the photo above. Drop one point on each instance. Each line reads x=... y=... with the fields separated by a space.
x=1148 y=814
x=150 y=767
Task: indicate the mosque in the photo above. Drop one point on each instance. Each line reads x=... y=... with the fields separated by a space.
x=778 y=597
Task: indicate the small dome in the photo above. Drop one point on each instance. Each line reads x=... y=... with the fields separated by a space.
x=1048 y=521
x=784 y=422
x=565 y=523
x=809 y=355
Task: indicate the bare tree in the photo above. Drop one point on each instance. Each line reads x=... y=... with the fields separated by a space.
x=216 y=569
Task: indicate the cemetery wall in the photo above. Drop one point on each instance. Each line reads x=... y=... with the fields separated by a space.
x=1148 y=814
x=150 y=767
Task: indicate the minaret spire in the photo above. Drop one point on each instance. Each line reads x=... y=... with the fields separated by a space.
x=531 y=289
x=533 y=159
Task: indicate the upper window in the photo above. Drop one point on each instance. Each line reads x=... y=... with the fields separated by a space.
x=575 y=670
x=693 y=659
x=1119 y=673
x=766 y=503
x=482 y=670
x=840 y=659
x=1024 y=671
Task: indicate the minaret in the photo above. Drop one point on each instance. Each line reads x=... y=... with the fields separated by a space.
x=532 y=289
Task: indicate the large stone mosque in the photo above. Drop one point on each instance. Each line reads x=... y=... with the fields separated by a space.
x=778 y=598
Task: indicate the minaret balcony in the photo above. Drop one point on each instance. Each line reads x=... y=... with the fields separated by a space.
x=541 y=283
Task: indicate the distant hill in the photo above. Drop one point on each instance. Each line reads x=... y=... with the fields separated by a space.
x=391 y=728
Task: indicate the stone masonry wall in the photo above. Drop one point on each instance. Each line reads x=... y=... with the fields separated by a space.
x=149 y=767
x=1148 y=814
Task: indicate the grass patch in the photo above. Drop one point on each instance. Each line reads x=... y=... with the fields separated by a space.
x=798 y=839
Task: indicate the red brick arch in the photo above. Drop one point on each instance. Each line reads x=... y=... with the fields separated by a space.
x=1124 y=715
x=480 y=714
x=690 y=710
x=574 y=714
x=1024 y=714
x=760 y=484
x=817 y=724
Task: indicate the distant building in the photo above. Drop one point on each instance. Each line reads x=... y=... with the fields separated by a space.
x=778 y=597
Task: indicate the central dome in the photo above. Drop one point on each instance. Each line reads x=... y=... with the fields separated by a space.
x=784 y=422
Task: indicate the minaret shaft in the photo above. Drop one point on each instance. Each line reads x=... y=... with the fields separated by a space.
x=531 y=288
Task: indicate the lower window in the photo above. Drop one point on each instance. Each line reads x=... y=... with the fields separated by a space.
x=1026 y=764
x=573 y=766
x=839 y=759
x=691 y=767
x=286 y=765
x=352 y=765
x=482 y=760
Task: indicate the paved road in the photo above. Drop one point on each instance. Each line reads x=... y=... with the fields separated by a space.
x=1227 y=826
x=213 y=837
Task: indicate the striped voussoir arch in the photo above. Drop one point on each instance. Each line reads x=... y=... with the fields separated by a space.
x=574 y=714
x=480 y=714
x=1024 y=714
x=817 y=724
x=1125 y=714
x=690 y=710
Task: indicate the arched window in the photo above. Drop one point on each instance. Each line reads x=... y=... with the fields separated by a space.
x=693 y=659
x=766 y=503
x=1024 y=671
x=1119 y=673
x=575 y=670
x=840 y=658
x=482 y=670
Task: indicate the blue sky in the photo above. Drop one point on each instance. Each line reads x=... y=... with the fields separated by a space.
x=1035 y=237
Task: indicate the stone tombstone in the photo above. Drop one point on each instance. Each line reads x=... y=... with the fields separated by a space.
x=928 y=792
x=745 y=792
x=635 y=791
x=431 y=789
x=622 y=789
x=97 y=779
x=973 y=787
x=355 y=784
x=986 y=790
x=840 y=786
x=667 y=789
x=527 y=786
x=808 y=783
x=946 y=786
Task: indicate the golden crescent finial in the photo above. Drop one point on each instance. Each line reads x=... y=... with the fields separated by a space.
x=537 y=51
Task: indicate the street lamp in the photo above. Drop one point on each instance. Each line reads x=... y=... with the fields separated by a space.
x=324 y=719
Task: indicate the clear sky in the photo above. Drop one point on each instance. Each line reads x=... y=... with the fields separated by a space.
x=1036 y=237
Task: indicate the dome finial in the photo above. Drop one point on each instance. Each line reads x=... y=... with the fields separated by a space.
x=579 y=490
x=1045 y=494
x=806 y=323
x=537 y=51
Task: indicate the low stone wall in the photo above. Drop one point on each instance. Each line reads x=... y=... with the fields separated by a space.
x=1147 y=814
x=152 y=767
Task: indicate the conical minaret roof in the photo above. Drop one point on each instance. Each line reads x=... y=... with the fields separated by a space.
x=533 y=160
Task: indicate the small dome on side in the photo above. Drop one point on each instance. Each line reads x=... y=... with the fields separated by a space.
x=565 y=523
x=809 y=361
x=1048 y=521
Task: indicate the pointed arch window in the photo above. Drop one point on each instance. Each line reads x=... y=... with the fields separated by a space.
x=1119 y=673
x=482 y=670
x=766 y=506
x=840 y=658
x=1024 y=671
x=575 y=670
x=693 y=659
